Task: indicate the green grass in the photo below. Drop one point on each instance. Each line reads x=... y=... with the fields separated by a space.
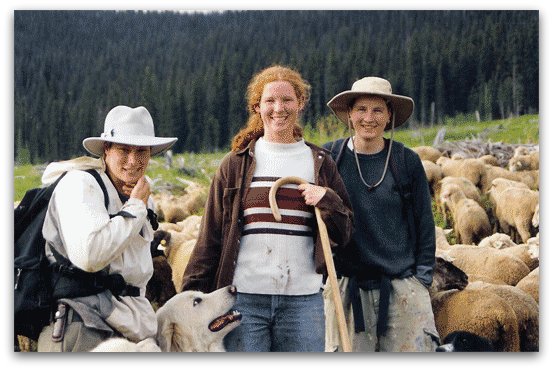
x=24 y=178
x=201 y=167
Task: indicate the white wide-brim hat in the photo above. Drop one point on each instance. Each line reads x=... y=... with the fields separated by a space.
x=402 y=106
x=128 y=126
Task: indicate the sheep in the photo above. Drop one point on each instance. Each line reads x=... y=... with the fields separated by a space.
x=170 y=226
x=488 y=262
x=531 y=284
x=160 y=288
x=194 y=199
x=536 y=217
x=531 y=178
x=458 y=155
x=486 y=279
x=447 y=276
x=525 y=308
x=521 y=150
x=433 y=173
x=470 y=168
x=489 y=159
x=497 y=241
x=179 y=248
x=427 y=153
x=190 y=226
x=168 y=208
x=525 y=162
x=522 y=252
x=480 y=312
x=514 y=210
x=497 y=186
x=471 y=222
x=180 y=259
x=441 y=239
x=501 y=184
x=534 y=246
x=465 y=341
x=468 y=188
x=173 y=209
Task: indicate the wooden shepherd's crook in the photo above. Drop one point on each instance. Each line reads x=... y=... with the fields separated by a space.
x=342 y=327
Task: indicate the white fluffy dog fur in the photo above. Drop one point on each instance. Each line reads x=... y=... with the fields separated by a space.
x=190 y=321
x=125 y=345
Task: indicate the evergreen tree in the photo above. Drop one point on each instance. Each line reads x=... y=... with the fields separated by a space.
x=191 y=70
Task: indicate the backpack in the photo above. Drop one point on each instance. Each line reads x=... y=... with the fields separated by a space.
x=33 y=274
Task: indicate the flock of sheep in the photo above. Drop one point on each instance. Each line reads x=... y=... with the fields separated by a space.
x=493 y=212
x=494 y=215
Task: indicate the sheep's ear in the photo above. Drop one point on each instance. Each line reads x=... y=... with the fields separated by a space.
x=447 y=231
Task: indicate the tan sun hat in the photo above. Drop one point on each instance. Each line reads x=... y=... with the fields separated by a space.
x=401 y=105
x=128 y=126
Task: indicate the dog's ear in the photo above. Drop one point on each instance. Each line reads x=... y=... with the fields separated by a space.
x=179 y=341
x=164 y=335
x=171 y=339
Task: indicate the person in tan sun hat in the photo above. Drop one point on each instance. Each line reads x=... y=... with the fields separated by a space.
x=99 y=224
x=388 y=266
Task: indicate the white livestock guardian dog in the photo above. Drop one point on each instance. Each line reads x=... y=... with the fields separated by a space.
x=190 y=321
x=193 y=321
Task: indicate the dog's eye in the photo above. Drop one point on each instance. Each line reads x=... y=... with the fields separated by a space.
x=196 y=301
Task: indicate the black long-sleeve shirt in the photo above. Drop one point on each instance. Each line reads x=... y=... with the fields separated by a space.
x=382 y=243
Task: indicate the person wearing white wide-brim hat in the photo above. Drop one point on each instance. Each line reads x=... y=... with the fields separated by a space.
x=127 y=143
x=390 y=267
x=112 y=238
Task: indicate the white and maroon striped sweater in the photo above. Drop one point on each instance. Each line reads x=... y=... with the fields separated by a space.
x=277 y=257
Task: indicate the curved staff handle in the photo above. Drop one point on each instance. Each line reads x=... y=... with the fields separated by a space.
x=337 y=298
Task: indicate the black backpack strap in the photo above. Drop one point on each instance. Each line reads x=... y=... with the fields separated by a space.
x=337 y=149
x=402 y=180
x=59 y=258
x=98 y=178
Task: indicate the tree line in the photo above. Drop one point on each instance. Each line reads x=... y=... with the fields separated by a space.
x=191 y=69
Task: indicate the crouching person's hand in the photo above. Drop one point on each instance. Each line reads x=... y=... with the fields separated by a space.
x=141 y=190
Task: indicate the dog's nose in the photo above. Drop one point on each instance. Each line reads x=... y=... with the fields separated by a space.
x=232 y=289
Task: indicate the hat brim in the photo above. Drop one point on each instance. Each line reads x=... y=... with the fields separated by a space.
x=402 y=105
x=95 y=145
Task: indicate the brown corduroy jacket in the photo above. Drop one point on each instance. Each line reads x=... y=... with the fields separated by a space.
x=212 y=263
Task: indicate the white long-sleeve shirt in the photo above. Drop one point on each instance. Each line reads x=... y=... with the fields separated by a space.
x=78 y=225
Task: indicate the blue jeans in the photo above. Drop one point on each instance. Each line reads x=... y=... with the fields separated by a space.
x=278 y=323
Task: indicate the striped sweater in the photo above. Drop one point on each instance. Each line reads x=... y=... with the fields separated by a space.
x=277 y=257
